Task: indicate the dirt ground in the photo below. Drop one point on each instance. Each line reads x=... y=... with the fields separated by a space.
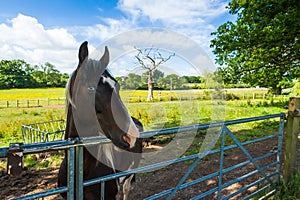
x=146 y=184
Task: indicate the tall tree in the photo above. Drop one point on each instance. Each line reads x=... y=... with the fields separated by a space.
x=15 y=74
x=150 y=59
x=133 y=81
x=262 y=47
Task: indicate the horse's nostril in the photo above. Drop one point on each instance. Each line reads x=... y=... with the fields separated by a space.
x=130 y=140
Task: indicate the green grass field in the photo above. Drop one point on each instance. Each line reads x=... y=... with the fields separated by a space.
x=154 y=115
x=36 y=93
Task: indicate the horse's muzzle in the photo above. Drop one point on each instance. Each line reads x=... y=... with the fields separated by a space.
x=131 y=135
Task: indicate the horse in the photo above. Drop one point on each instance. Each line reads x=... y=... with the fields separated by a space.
x=111 y=118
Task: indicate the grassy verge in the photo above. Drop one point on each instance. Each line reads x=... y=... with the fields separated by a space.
x=285 y=191
x=289 y=191
x=12 y=119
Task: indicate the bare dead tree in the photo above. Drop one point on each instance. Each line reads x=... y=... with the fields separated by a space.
x=150 y=59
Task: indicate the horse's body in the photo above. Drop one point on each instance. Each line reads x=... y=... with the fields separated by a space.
x=114 y=121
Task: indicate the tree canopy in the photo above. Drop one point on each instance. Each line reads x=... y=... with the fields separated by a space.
x=161 y=82
x=19 y=74
x=262 y=46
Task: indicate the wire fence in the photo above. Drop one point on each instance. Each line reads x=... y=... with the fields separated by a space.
x=28 y=103
x=43 y=131
x=228 y=95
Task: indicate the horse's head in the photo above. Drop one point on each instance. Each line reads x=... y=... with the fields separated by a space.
x=111 y=114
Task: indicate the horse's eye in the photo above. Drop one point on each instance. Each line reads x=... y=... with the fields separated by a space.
x=91 y=89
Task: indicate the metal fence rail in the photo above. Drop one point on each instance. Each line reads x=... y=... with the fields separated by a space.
x=43 y=131
x=75 y=149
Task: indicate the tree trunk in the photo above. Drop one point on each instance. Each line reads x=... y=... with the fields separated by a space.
x=150 y=86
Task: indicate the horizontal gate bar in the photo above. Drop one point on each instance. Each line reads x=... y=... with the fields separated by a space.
x=234 y=194
x=207 y=125
x=261 y=190
x=251 y=185
x=204 y=178
x=246 y=176
x=43 y=194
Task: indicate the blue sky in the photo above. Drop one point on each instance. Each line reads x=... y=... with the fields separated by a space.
x=52 y=30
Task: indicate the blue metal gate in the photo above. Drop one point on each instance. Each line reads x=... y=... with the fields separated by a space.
x=267 y=183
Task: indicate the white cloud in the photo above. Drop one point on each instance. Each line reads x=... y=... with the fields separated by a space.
x=101 y=32
x=170 y=12
x=23 y=37
x=192 y=18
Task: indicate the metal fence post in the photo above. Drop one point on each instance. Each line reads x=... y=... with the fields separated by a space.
x=71 y=170
x=291 y=139
x=223 y=135
x=102 y=186
x=79 y=173
x=279 y=150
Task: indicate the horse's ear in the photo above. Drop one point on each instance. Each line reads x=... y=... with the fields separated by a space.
x=105 y=58
x=83 y=52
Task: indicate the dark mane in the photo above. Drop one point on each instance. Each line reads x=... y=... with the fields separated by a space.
x=108 y=73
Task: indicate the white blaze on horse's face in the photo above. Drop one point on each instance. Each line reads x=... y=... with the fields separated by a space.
x=132 y=131
x=111 y=82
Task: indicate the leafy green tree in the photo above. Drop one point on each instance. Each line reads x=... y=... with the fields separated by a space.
x=262 y=46
x=295 y=91
x=19 y=74
x=171 y=82
x=157 y=74
x=15 y=74
x=193 y=79
x=133 y=81
x=48 y=76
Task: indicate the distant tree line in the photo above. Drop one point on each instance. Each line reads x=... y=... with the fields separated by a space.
x=168 y=82
x=19 y=74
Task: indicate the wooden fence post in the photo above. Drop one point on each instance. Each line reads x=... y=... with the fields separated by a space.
x=292 y=131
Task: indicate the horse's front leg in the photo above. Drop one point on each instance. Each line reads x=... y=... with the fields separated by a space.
x=62 y=176
x=127 y=187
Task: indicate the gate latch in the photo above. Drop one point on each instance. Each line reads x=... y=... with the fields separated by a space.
x=15 y=159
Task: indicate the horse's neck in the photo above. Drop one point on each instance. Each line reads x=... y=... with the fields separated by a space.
x=71 y=131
